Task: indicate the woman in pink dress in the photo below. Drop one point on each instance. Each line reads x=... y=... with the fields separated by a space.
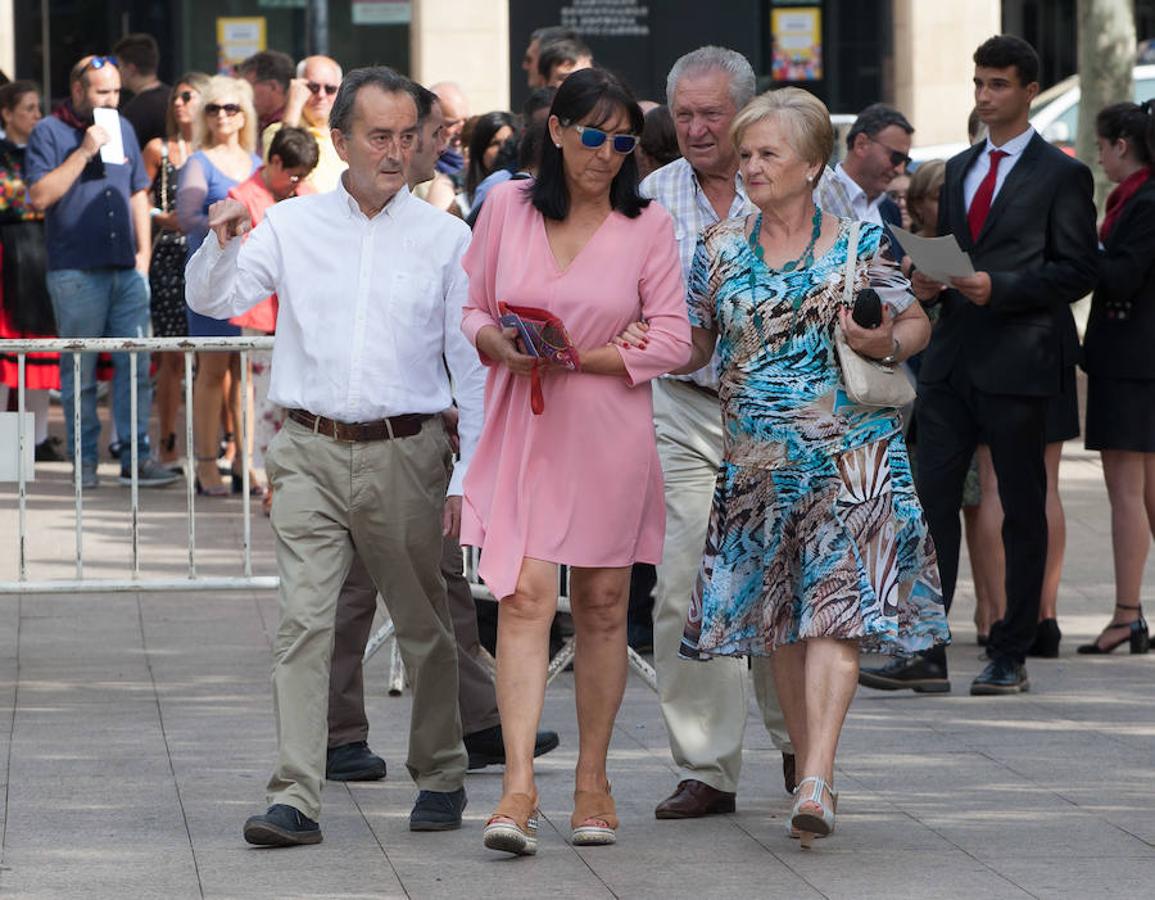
x=579 y=484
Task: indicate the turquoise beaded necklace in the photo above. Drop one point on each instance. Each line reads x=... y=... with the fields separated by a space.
x=805 y=261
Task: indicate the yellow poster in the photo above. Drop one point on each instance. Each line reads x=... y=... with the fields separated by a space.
x=237 y=40
x=797 y=36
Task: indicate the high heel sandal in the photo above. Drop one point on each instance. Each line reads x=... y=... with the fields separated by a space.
x=594 y=820
x=513 y=825
x=795 y=834
x=1136 y=634
x=813 y=824
x=213 y=490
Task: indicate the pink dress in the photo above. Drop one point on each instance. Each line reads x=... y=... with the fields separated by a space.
x=581 y=483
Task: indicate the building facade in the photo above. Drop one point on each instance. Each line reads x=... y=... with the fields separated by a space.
x=914 y=54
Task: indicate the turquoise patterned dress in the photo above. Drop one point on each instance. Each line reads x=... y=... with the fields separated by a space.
x=816 y=530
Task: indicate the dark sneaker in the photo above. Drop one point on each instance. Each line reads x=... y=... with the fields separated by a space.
x=282 y=826
x=149 y=473
x=919 y=673
x=354 y=762
x=486 y=747
x=49 y=450
x=1001 y=676
x=437 y=811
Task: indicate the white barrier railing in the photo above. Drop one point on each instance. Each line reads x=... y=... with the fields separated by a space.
x=193 y=582
x=134 y=346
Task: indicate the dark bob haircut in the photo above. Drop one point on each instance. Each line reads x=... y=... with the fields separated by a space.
x=1133 y=123
x=484 y=130
x=1004 y=51
x=589 y=96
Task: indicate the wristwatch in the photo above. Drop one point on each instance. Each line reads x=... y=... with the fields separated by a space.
x=892 y=359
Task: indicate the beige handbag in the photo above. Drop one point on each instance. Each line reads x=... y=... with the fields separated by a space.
x=867 y=381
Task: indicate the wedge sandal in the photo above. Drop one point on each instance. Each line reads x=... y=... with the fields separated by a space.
x=513 y=826
x=594 y=820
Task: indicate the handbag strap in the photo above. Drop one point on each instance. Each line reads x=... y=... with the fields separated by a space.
x=851 y=263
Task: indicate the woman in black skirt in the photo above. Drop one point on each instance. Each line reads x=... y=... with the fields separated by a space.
x=1119 y=356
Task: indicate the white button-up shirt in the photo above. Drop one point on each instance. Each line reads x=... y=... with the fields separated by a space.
x=982 y=165
x=676 y=187
x=370 y=309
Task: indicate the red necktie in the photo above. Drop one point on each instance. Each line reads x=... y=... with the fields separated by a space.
x=981 y=204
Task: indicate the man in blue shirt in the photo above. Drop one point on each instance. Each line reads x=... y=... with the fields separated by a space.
x=99 y=243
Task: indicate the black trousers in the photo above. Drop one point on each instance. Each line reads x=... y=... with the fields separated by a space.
x=953 y=416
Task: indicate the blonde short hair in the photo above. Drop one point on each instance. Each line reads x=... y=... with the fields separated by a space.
x=808 y=128
x=222 y=87
x=926 y=181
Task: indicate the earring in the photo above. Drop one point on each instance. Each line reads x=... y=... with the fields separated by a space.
x=556 y=144
x=809 y=179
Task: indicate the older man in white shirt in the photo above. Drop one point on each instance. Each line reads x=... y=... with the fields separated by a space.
x=371 y=289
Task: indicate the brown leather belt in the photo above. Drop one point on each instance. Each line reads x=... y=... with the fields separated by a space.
x=381 y=430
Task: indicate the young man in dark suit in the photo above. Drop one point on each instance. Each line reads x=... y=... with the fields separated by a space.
x=1024 y=212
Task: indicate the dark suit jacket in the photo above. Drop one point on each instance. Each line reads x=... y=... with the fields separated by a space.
x=1039 y=247
x=1125 y=347
x=890 y=214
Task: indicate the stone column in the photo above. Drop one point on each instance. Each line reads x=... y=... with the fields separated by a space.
x=463 y=42
x=933 y=46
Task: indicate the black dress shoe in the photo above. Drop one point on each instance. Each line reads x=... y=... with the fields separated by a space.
x=789 y=778
x=487 y=748
x=353 y=762
x=693 y=799
x=1001 y=676
x=282 y=826
x=437 y=810
x=1047 y=637
x=920 y=673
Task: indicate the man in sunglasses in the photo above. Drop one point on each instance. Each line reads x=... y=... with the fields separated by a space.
x=99 y=241
x=311 y=96
x=877 y=149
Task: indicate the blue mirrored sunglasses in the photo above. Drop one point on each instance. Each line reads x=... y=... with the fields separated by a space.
x=595 y=137
x=99 y=62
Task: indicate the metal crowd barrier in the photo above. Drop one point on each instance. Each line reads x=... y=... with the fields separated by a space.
x=194 y=582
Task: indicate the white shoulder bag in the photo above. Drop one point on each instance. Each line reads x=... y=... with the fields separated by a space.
x=867 y=381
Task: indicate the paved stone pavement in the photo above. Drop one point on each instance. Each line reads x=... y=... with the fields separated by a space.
x=136 y=734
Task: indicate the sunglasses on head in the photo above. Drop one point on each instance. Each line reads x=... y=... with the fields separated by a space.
x=315 y=88
x=229 y=109
x=99 y=62
x=897 y=157
x=592 y=138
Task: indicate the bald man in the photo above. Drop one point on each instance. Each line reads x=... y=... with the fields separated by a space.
x=455 y=110
x=311 y=96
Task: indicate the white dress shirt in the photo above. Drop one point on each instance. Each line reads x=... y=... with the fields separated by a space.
x=675 y=186
x=370 y=309
x=862 y=209
x=978 y=171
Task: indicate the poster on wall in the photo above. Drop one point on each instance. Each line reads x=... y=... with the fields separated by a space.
x=797 y=38
x=237 y=40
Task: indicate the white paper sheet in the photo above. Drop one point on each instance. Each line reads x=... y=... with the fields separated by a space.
x=940 y=258
x=109 y=120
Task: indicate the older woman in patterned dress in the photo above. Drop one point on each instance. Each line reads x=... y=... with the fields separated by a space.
x=817 y=545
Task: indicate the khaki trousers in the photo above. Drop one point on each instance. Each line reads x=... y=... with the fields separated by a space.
x=356 y=607
x=383 y=500
x=704 y=704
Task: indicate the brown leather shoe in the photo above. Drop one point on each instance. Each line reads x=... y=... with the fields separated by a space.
x=694 y=799
x=788 y=776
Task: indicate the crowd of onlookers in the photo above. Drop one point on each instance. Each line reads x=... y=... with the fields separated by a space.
x=97 y=228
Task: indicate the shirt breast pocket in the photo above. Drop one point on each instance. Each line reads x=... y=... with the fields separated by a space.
x=417 y=299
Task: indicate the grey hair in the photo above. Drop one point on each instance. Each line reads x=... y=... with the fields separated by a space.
x=304 y=63
x=341 y=115
x=736 y=67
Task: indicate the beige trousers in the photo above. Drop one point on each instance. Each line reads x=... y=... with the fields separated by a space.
x=356 y=607
x=383 y=500
x=704 y=704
